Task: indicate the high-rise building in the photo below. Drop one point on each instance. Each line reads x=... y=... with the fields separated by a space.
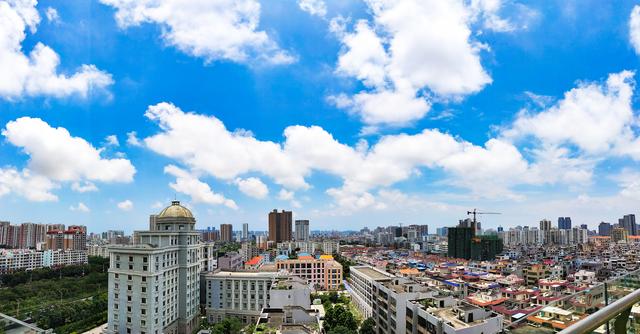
x=628 y=222
x=226 y=232
x=74 y=238
x=545 y=225
x=245 y=231
x=154 y=287
x=584 y=226
x=280 y=225
x=564 y=223
x=152 y=222
x=459 y=242
x=604 y=229
x=302 y=230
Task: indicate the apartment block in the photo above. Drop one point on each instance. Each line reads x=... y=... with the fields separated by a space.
x=323 y=273
x=362 y=279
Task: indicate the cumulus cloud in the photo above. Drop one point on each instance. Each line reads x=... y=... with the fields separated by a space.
x=212 y=30
x=313 y=7
x=634 y=28
x=409 y=52
x=37 y=74
x=394 y=158
x=83 y=187
x=55 y=157
x=47 y=147
x=252 y=187
x=132 y=139
x=593 y=116
x=112 y=140
x=26 y=184
x=52 y=15
x=125 y=205
x=199 y=191
x=81 y=207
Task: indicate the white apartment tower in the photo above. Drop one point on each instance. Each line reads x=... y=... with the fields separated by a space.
x=154 y=286
x=302 y=230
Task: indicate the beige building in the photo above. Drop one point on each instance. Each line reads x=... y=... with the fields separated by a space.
x=323 y=273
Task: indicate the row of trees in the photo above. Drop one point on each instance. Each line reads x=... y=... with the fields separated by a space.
x=96 y=264
x=73 y=316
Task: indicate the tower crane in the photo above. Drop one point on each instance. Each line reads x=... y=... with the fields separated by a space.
x=475 y=212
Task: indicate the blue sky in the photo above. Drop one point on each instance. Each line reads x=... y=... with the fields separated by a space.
x=349 y=113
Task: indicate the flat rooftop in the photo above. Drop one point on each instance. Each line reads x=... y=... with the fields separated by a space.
x=372 y=273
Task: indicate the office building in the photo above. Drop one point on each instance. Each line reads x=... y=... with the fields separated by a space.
x=564 y=223
x=302 y=230
x=154 y=286
x=324 y=273
x=245 y=231
x=545 y=225
x=226 y=232
x=280 y=225
x=243 y=295
x=362 y=279
x=604 y=229
x=389 y=303
x=443 y=314
x=153 y=222
x=459 y=242
x=628 y=222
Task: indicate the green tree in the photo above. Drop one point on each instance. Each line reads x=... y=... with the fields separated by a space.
x=368 y=326
x=229 y=325
x=341 y=330
x=337 y=316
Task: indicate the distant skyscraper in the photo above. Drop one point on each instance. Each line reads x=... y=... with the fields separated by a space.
x=500 y=229
x=226 y=232
x=564 y=223
x=545 y=224
x=152 y=222
x=280 y=225
x=584 y=226
x=245 y=231
x=302 y=230
x=628 y=222
x=604 y=229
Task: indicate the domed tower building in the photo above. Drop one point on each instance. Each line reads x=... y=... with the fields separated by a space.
x=154 y=285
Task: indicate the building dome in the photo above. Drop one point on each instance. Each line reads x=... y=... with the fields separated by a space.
x=175 y=210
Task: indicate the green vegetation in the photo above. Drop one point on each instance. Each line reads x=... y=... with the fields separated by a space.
x=368 y=326
x=228 y=247
x=339 y=320
x=229 y=325
x=69 y=299
x=345 y=262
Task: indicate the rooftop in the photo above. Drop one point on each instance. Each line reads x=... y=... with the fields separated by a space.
x=175 y=210
x=372 y=273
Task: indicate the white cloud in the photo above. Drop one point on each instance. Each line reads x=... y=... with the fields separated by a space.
x=47 y=147
x=157 y=205
x=37 y=73
x=313 y=7
x=394 y=158
x=410 y=51
x=81 y=207
x=132 y=139
x=634 y=28
x=112 y=140
x=125 y=205
x=285 y=195
x=210 y=29
x=252 y=187
x=594 y=117
x=83 y=187
x=52 y=15
x=199 y=191
x=26 y=184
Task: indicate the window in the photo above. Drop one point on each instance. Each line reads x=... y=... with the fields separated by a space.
x=144 y=300
x=144 y=279
x=130 y=267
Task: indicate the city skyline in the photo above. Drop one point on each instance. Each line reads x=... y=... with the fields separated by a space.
x=339 y=113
